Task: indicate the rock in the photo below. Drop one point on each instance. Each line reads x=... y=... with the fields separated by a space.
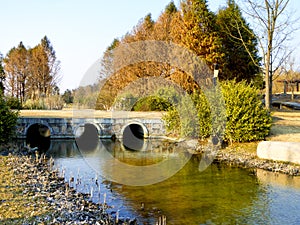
x=280 y=151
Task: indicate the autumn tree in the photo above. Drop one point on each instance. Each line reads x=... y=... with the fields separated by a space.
x=44 y=68
x=274 y=24
x=194 y=27
x=31 y=73
x=17 y=72
x=241 y=59
x=162 y=27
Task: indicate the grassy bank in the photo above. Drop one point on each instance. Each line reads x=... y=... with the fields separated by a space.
x=285 y=127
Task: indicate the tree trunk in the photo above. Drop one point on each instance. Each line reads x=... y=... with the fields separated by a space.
x=293 y=91
x=268 y=81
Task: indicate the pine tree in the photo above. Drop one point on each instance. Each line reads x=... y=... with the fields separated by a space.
x=2 y=75
x=241 y=60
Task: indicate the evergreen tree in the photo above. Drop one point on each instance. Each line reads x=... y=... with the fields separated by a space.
x=171 y=8
x=8 y=121
x=2 y=75
x=239 y=45
x=68 y=96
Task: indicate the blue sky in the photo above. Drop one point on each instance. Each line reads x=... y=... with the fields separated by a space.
x=80 y=30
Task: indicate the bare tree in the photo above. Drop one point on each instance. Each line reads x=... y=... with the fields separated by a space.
x=273 y=22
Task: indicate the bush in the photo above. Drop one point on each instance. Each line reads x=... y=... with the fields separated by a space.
x=52 y=102
x=13 y=103
x=33 y=104
x=243 y=112
x=151 y=103
x=181 y=118
x=247 y=119
x=8 y=121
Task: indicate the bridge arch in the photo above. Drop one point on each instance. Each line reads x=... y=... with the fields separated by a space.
x=38 y=135
x=87 y=136
x=79 y=129
x=133 y=135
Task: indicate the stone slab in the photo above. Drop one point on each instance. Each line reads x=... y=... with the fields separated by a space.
x=279 y=151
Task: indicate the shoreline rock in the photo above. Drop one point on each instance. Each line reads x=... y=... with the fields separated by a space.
x=251 y=161
x=242 y=158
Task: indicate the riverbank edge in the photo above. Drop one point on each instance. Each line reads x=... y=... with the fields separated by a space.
x=239 y=156
x=64 y=205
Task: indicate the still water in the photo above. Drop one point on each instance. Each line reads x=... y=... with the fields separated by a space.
x=217 y=195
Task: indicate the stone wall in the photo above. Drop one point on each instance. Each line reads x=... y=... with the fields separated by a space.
x=106 y=127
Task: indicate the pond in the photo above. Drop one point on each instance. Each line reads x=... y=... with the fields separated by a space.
x=218 y=195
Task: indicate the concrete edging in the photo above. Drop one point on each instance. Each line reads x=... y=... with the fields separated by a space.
x=279 y=151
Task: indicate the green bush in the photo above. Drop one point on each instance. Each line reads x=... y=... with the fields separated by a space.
x=242 y=118
x=247 y=119
x=181 y=118
x=8 y=121
x=13 y=103
x=151 y=103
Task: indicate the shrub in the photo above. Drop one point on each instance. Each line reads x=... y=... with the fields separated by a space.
x=181 y=118
x=52 y=102
x=247 y=119
x=33 y=104
x=151 y=103
x=13 y=103
x=243 y=112
x=8 y=121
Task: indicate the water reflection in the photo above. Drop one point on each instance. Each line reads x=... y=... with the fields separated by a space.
x=219 y=195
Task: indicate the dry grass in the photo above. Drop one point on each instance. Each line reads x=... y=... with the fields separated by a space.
x=70 y=113
x=286 y=126
x=15 y=205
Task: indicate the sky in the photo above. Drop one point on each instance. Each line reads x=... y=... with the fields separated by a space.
x=79 y=30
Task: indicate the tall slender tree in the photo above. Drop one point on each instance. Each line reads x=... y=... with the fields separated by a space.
x=44 y=68
x=16 y=68
x=2 y=75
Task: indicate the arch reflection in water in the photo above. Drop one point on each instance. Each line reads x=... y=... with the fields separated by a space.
x=87 y=137
x=38 y=135
x=136 y=168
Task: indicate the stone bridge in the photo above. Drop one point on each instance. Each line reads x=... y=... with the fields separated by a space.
x=64 y=128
